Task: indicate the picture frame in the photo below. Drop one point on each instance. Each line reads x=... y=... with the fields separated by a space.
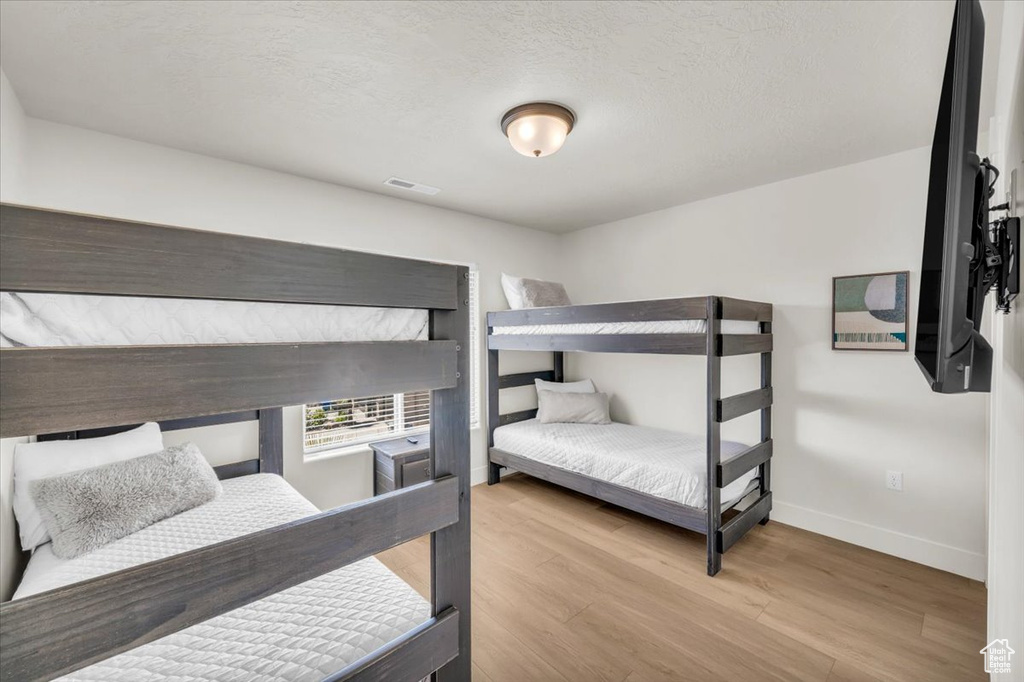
x=870 y=312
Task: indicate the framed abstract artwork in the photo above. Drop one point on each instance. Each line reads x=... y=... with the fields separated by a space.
x=869 y=312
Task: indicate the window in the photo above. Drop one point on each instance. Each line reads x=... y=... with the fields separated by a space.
x=354 y=421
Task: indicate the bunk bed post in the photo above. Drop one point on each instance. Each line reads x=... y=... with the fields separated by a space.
x=714 y=433
x=449 y=455
x=765 y=470
x=271 y=441
x=559 y=366
x=493 y=415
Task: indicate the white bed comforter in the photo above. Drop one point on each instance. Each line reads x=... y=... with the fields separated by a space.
x=303 y=633
x=654 y=461
x=38 y=320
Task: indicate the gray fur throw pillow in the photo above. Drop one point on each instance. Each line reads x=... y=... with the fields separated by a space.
x=84 y=510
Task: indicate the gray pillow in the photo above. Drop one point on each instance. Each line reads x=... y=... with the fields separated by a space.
x=540 y=294
x=533 y=293
x=84 y=510
x=572 y=408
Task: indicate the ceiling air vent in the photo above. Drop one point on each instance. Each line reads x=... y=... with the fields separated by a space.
x=411 y=186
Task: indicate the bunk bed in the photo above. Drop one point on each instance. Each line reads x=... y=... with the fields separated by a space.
x=680 y=326
x=88 y=617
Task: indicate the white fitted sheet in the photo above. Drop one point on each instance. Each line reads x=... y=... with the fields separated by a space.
x=662 y=463
x=303 y=633
x=40 y=320
x=650 y=327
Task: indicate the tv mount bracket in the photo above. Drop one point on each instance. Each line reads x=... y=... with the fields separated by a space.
x=999 y=252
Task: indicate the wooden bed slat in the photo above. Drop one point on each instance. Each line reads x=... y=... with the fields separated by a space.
x=669 y=344
x=272 y=441
x=753 y=311
x=52 y=251
x=514 y=417
x=738 y=525
x=412 y=656
x=742 y=344
x=72 y=388
x=625 y=311
x=649 y=505
x=524 y=379
x=741 y=463
x=744 y=403
x=95 y=619
x=246 y=467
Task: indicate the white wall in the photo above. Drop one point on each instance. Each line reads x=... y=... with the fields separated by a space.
x=841 y=419
x=12 y=167
x=78 y=170
x=1006 y=468
x=12 y=142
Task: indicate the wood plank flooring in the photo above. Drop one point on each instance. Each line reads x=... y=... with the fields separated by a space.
x=568 y=589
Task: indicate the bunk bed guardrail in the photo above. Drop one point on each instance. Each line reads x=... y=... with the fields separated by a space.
x=711 y=343
x=43 y=390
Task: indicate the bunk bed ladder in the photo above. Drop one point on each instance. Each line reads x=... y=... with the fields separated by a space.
x=765 y=468
x=493 y=414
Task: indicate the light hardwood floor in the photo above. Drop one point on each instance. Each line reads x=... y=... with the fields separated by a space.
x=566 y=588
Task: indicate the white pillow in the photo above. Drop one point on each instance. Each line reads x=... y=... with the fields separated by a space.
x=33 y=461
x=513 y=288
x=521 y=292
x=572 y=408
x=582 y=386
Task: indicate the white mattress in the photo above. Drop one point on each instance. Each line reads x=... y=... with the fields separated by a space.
x=37 y=320
x=654 y=461
x=650 y=327
x=303 y=633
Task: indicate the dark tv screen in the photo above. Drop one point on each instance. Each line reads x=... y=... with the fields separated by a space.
x=952 y=354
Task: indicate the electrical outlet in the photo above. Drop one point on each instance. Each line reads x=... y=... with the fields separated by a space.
x=894 y=480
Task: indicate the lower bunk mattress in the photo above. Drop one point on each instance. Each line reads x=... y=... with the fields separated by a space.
x=657 y=462
x=304 y=633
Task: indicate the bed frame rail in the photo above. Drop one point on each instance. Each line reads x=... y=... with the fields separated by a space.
x=271 y=441
x=71 y=388
x=412 y=656
x=102 y=617
x=53 y=251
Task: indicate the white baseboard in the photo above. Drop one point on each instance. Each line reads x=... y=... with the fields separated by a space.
x=478 y=475
x=937 y=555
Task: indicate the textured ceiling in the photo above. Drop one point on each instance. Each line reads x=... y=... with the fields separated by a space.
x=676 y=101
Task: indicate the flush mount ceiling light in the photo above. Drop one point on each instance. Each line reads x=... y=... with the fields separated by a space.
x=537 y=129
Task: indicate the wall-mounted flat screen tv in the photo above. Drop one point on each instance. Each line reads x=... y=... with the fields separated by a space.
x=949 y=349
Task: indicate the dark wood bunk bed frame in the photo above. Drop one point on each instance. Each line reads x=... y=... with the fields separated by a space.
x=712 y=344
x=89 y=391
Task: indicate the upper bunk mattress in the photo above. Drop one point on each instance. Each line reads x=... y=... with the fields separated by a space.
x=39 y=320
x=662 y=463
x=303 y=633
x=648 y=327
